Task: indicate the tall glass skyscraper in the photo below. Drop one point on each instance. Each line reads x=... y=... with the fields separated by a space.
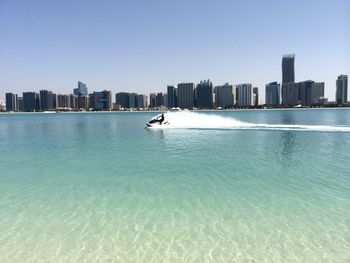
x=204 y=95
x=272 y=94
x=171 y=96
x=288 y=68
x=81 y=90
x=185 y=95
x=341 y=95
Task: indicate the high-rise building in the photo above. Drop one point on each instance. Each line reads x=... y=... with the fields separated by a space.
x=159 y=99
x=171 y=97
x=244 y=94
x=63 y=101
x=272 y=94
x=101 y=100
x=132 y=100
x=12 y=102
x=341 y=95
x=20 y=104
x=317 y=93
x=81 y=90
x=288 y=74
x=31 y=101
x=255 y=96
x=185 y=95
x=224 y=97
x=290 y=94
x=153 y=100
x=73 y=101
x=305 y=92
x=204 y=95
x=46 y=100
x=83 y=102
x=122 y=100
x=142 y=101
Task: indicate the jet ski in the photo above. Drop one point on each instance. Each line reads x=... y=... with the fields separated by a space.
x=157 y=121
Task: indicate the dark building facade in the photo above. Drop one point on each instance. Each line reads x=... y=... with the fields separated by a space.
x=204 y=95
x=171 y=96
x=31 y=101
x=185 y=95
x=122 y=99
x=288 y=74
x=272 y=94
x=152 y=100
x=132 y=100
x=341 y=94
x=46 y=100
x=290 y=94
x=159 y=99
x=81 y=90
x=101 y=100
x=12 y=103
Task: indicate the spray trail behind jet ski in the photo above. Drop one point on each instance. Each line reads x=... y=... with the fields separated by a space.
x=193 y=120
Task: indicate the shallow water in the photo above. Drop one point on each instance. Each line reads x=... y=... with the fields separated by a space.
x=236 y=186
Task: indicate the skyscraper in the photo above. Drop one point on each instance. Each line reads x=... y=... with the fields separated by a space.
x=171 y=92
x=185 y=95
x=290 y=94
x=142 y=101
x=81 y=90
x=101 y=100
x=31 y=101
x=132 y=100
x=224 y=96
x=46 y=100
x=272 y=94
x=244 y=94
x=153 y=100
x=255 y=96
x=122 y=99
x=204 y=95
x=159 y=99
x=341 y=95
x=288 y=68
x=12 y=102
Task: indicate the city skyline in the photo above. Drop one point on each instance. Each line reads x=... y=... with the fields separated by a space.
x=145 y=48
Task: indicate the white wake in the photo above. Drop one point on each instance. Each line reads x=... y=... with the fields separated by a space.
x=194 y=120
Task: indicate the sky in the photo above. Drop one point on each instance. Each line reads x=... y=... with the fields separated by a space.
x=143 y=46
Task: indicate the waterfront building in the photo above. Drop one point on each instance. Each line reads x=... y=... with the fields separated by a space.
x=185 y=95
x=204 y=95
x=317 y=93
x=153 y=100
x=46 y=100
x=142 y=101
x=311 y=92
x=81 y=90
x=341 y=95
x=122 y=99
x=132 y=100
x=73 y=101
x=159 y=99
x=224 y=96
x=20 y=104
x=272 y=94
x=83 y=102
x=101 y=100
x=290 y=94
x=244 y=94
x=171 y=96
x=63 y=101
x=31 y=101
x=255 y=96
x=288 y=74
x=11 y=102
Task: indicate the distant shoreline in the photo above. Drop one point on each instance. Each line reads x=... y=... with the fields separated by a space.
x=197 y=110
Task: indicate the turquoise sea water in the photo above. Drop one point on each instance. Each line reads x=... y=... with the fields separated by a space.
x=236 y=186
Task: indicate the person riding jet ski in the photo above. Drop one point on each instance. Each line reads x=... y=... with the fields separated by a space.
x=157 y=120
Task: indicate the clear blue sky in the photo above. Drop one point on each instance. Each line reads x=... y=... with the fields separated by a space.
x=142 y=46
